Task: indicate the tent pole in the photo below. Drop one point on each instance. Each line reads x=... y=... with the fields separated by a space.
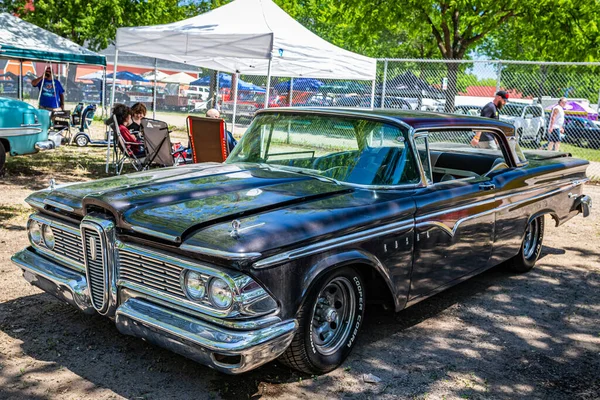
x=235 y=92
x=373 y=94
x=154 y=89
x=268 y=83
x=114 y=82
x=103 y=99
x=291 y=90
x=21 y=80
x=216 y=98
x=384 y=85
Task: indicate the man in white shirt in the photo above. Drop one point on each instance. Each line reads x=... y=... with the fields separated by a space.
x=556 y=125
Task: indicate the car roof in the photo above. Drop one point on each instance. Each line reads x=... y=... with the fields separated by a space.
x=415 y=119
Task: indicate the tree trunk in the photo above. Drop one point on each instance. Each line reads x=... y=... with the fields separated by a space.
x=452 y=89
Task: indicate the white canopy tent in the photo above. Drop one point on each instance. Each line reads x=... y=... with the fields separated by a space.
x=251 y=37
x=180 y=77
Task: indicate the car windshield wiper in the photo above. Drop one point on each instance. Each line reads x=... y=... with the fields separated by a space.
x=305 y=172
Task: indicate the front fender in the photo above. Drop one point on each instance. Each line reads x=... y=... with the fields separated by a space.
x=360 y=258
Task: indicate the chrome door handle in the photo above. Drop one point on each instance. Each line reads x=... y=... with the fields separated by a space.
x=487 y=186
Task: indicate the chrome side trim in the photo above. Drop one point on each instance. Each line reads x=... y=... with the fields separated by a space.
x=219 y=253
x=333 y=243
x=451 y=230
x=58 y=205
x=26 y=131
x=160 y=235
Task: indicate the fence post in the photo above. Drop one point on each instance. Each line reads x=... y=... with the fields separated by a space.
x=291 y=91
x=373 y=93
x=154 y=89
x=234 y=90
x=21 y=80
x=498 y=75
x=598 y=109
x=384 y=84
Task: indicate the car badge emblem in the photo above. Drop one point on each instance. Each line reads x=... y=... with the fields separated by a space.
x=93 y=248
x=235 y=227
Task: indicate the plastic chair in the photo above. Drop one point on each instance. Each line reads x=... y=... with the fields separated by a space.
x=208 y=139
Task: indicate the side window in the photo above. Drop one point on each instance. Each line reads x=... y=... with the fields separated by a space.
x=455 y=156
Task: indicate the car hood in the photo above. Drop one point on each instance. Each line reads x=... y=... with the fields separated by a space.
x=174 y=202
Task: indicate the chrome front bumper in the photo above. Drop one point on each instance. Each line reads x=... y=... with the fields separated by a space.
x=226 y=350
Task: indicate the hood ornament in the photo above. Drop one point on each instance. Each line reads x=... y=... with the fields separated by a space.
x=235 y=228
x=52 y=184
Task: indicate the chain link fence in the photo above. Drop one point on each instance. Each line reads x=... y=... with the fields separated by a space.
x=171 y=91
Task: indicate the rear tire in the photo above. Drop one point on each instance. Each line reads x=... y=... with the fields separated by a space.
x=329 y=322
x=530 y=248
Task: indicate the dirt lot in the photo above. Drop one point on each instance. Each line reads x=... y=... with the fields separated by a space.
x=498 y=336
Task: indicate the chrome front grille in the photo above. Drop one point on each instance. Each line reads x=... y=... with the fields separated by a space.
x=150 y=272
x=95 y=267
x=68 y=245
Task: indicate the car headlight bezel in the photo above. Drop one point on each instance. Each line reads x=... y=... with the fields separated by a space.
x=220 y=293
x=34 y=231
x=199 y=292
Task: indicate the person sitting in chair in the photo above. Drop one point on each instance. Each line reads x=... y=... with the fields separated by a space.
x=231 y=142
x=138 y=111
x=123 y=116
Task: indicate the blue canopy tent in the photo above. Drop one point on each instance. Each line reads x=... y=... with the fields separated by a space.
x=127 y=76
x=299 y=84
x=225 y=82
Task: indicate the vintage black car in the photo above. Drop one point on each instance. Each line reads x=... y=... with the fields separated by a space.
x=582 y=132
x=317 y=212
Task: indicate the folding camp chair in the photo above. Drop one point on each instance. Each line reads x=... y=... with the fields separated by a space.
x=157 y=142
x=208 y=139
x=126 y=153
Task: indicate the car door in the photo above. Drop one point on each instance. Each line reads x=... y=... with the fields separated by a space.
x=455 y=214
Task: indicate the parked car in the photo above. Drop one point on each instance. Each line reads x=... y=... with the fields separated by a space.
x=582 y=132
x=528 y=120
x=278 y=251
x=365 y=102
x=23 y=129
x=198 y=92
x=468 y=110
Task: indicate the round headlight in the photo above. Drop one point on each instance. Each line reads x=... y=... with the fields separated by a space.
x=48 y=236
x=35 y=232
x=220 y=293
x=195 y=286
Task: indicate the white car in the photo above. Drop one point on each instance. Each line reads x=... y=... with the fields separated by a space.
x=196 y=92
x=528 y=120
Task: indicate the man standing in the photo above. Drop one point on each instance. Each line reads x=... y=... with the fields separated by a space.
x=52 y=96
x=485 y=140
x=556 y=125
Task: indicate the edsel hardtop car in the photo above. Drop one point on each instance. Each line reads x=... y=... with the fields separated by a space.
x=317 y=212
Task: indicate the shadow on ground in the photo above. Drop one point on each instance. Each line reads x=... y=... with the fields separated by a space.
x=498 y=335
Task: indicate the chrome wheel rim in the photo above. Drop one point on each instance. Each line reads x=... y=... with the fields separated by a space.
x=531 y=238
x=81 y=141
x=333 y=315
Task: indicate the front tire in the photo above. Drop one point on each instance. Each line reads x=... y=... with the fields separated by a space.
x=81 y=140
x=329 y=322
x=530 y=248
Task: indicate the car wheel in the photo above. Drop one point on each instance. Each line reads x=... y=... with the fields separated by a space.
x=531 y=246
x=82 y=140
x=329 y=321
x=2 y=157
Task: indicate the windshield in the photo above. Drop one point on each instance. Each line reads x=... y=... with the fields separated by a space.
x=347 y=149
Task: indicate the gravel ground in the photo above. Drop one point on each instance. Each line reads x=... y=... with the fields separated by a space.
x=497 y=336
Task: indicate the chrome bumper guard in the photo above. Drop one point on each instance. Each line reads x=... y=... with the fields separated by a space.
x=226 y=350
x=583 y=204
